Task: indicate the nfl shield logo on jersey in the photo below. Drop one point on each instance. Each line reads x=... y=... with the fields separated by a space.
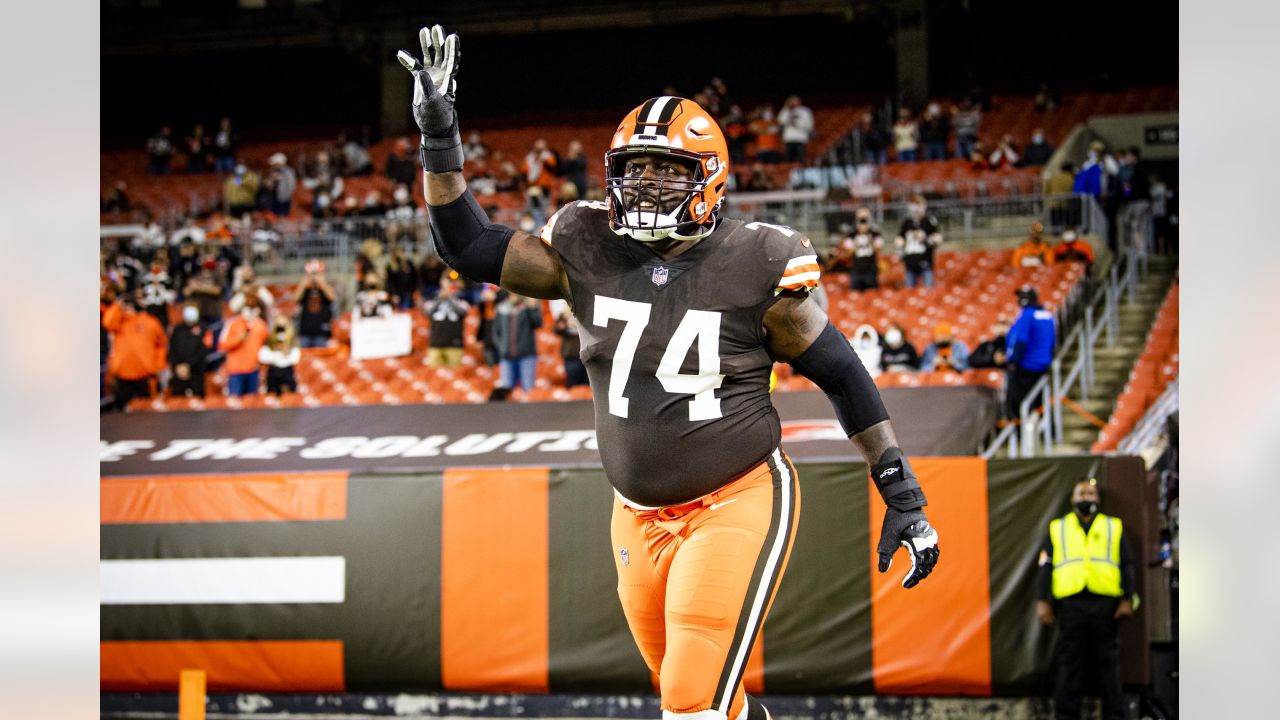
x=626 y=556
x=659 y=276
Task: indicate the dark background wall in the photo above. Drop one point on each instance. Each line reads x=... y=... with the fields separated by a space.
x=288 y=69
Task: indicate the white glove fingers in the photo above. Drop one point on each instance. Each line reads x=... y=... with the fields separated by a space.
x=424 y=37
x=451 y=57
x=437 y=45
x=409 y=62
x=912 y=572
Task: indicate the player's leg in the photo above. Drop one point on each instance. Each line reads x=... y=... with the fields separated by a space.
x=642 y=583
x=719 y=589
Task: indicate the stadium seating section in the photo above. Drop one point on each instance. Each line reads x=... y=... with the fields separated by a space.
x=181 y=193
x=1155 y=368
x=973 y=290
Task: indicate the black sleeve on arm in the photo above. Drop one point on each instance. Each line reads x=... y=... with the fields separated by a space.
x=833 y=366
x=1044 y=571
x=1128 y=570
x=467 y=241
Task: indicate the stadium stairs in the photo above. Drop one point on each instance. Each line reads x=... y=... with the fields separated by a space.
x=1113 y=366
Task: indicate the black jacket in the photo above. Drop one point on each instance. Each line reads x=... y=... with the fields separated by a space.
x=186 y=346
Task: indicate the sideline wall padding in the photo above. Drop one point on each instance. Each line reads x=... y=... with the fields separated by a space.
x=503 y=580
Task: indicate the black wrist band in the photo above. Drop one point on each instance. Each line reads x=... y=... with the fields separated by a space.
x=896 y=481
x=442 y=154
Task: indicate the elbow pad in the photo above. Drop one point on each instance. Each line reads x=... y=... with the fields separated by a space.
x=467 y=241
x=833 y=366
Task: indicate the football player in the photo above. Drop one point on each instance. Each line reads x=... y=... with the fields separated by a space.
x=681 y=314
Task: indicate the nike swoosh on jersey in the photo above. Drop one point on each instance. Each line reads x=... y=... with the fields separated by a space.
x=714 y=506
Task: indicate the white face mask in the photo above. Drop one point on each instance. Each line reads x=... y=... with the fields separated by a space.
x=401 y=195
x=1093 y=156
x=1037 y=138
x=916 y=210
x=190 y=315
x=528 y=225
x=893 y=338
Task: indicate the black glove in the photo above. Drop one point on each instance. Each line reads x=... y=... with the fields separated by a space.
x=435 y=83
x=911 y=530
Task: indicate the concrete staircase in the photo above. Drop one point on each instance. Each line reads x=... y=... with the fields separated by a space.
x=1113 y=364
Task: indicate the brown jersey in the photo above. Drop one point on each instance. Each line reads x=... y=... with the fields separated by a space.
x=675 y=349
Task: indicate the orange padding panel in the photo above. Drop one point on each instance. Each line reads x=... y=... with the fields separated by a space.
x=494 y=613
x=935 y=639
x=241 y=665
x=224 y=498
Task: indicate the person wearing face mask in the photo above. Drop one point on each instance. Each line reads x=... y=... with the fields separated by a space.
x=863 y=248
x=1038 y=152
x=242 y=337
x=1085 y=585
x=1028 y=349
x=897 y=354
x=189 y=345
x=917 y=240
x=945 y=352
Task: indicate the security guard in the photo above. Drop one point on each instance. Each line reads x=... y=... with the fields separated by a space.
x=1087 y=569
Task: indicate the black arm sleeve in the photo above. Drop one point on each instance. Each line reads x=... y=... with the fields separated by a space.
x=833 y=366
x=1128 y=570
x=1044 y=571
x=467 y=241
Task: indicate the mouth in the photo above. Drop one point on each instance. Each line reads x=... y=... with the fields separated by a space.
x=646 y=203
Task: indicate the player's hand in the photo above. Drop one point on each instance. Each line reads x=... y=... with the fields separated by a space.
x=435 y=81
x=911 y=530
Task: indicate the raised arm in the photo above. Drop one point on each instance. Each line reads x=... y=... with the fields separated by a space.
x=468 y=242
x=798 y=332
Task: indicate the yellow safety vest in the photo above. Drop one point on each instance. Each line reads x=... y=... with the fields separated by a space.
x=1081 y=562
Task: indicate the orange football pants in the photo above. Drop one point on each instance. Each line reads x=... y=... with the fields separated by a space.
x=697 y=580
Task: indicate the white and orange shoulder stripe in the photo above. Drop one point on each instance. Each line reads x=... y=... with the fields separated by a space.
x=802 y=273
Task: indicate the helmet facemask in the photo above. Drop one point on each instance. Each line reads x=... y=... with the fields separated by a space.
x=651 y=206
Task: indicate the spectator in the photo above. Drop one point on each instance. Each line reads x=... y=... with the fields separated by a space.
x=967 y=120
x=160 y=151
x=1062 y=210
x=1028 y=350
x=117 y=198
x=487 y=300
x=430 y=272
x=373 y=206
x=945 y=352
x=1038 y=152
x=183 y=267
x=767 y=137
x=759 y=180
x=242 y=338
x=197 y=147
x=867 y=345
x=371 y=263
x=474 y=148
x=157 y=290
x=402 y=277
x=225 y=143
x=906 y=137
x=918 y=239
x=574 y=167
x=1096 y=172
x=979 y=160
x=189 y=346
x=372 y=300
x=280 y=355
x=323 y=178
x=1073 y=248
x=243 y=285
x=1133 y=189
x=1005 y=156
x=797 y=128
x=875 y=141
x=540 y=166
x=1035 y=251
x=355 y=157
x=864 y=246
x=990 y=353
x=138 y=349
x=737 y=134
x=898 y=354
x=281 y=183
x=448 y=314
x=934 y=131
x=515 y=320
x=402 y=165
x=575 y=373
x=314 y=298
x=205 y=290
x=1164 y=215
x=240 y=191
x=406 y=222
x=507 y=178
x=482 y=180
